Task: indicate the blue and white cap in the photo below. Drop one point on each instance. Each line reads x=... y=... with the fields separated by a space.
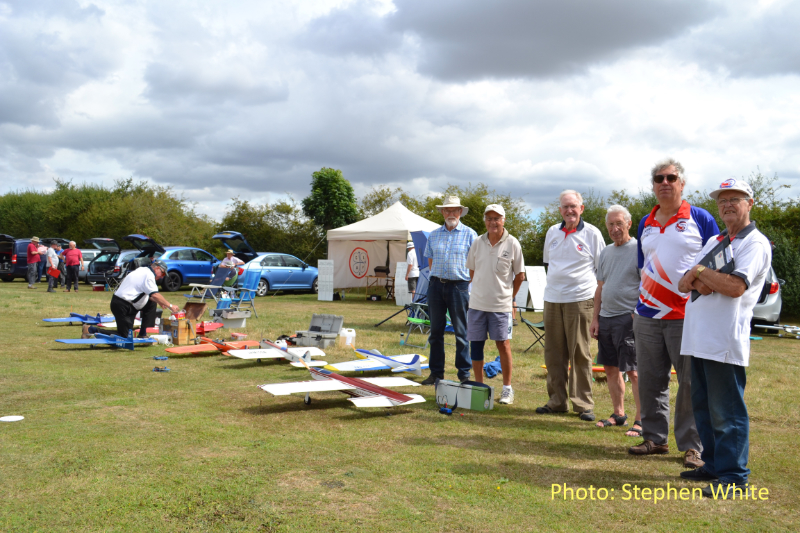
x=733 y=184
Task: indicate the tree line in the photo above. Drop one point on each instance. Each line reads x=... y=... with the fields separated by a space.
x=83 y=211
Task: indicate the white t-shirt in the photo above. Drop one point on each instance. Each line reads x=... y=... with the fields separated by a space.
x=717 y=327
x=231 y=262
x=138 y=286
x=572 y=260
x=411 y=259
x=495 y=267
x=52 y=258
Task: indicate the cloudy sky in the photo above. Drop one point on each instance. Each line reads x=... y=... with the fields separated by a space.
x=248 y=98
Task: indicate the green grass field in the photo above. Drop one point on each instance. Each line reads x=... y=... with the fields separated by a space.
x=109 y=445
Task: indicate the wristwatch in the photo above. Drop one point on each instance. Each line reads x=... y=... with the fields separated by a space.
x=699 y=271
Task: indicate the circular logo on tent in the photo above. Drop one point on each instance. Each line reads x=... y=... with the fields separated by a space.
x=359 y=263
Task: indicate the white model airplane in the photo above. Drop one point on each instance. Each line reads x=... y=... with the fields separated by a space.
x=374 y=360
x=791 y=331
x=365 y=392
x=270 y=350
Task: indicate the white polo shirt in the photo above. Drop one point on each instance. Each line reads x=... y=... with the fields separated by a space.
x=665 y=254
x=495 y=268
x=572 y=259
x=137 y=287
x=717 y=327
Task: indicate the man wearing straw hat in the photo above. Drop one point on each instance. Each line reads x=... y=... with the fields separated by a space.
x=33 y=262
x=448 y=289
x=232 y=262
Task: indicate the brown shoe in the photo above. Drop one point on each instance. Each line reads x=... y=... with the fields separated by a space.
x=692 y=459
x=85 y=332
x=648 y=447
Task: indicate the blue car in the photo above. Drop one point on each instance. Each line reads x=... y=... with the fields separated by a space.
x=185 y=264
x=278 y=271
x=283 y=272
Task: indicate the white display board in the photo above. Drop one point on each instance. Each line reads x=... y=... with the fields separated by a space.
x=401 y=294
x=325 y=280
x=522 y=295
x=537 y=281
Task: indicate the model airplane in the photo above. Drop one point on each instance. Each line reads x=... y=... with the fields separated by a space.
x=207 y=327
x=364 y=392
x=373 y=360
x=77 y=318
x=207 y=345
x=270 y=350
x=111 y=340
x=793 y=331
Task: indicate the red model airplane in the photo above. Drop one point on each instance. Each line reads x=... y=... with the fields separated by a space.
x=207 y=345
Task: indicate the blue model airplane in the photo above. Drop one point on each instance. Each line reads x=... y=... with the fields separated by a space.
x=111 y=340
x=77 y=318
x=371 y=360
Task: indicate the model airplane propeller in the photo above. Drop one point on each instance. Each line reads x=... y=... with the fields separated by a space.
x=363 y=392
x=372 y=360
x=270 y=350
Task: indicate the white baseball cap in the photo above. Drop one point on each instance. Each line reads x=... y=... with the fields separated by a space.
x=497 y=208
x=409 y=245
x=732 y=184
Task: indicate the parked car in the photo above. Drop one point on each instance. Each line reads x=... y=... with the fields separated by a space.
x=283 y=272
x=187 y=265
x=13 y=257
x=109 y=259
x=768 y=307
x=88 y=256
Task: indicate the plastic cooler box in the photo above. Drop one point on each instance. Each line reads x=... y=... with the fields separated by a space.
x=470 y=395
x=322 y=332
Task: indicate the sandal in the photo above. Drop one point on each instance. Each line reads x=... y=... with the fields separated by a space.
x=619 y=420
x=636 y=432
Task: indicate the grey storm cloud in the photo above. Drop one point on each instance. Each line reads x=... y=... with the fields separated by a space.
x=764 y=43
x=465 y=40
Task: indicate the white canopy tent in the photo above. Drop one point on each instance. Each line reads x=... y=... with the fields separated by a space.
x=358 y=248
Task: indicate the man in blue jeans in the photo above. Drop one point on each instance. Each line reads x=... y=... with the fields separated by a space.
x=448 y=287
x=716 y=334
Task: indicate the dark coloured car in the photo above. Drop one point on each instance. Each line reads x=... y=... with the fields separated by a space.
x=109 y=261
x=233 y=240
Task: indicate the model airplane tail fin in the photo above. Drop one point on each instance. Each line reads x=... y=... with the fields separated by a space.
x=414 y=366
x=362 y=353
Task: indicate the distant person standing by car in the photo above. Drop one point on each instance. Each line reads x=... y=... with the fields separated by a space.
x=42 y=263
x=412 y=273
x=232 y=262
x=33 y=261
x=73 y=261
x=62 y=272
x=52 y=263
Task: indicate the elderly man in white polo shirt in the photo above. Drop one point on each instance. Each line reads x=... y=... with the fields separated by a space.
x=138 y=292
x=716 y=334
x=497 y=270
x=572 y=256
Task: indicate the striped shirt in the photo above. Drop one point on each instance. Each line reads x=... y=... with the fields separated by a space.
x=448 y=250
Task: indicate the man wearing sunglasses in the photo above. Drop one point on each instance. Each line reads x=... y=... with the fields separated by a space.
x=717 y=337
x=670 y=240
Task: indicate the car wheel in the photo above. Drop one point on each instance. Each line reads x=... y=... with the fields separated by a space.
x=315 y=286
x=7 y=278
x=263 y=288
x=172 y=282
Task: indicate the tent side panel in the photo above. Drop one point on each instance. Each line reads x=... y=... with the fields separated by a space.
x=354 y=261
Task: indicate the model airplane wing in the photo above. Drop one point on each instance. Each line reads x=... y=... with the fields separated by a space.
x=77 y=318
x=383 y=401
x=259 y=353
x=378 y=362
x=110 y=340
x=113 y=325
x=282 y=389
x=194 y=348
x=391 y=382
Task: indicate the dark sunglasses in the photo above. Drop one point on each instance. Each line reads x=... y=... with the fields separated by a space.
x=659 y=178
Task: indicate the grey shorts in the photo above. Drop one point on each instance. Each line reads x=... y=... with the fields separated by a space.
x=481 y=323
x=615 y=344
x=412 y=284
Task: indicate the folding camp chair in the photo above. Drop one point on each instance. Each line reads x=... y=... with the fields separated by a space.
x=245 y=295
x=418 y=320
x=211 y=290
x=536 y=328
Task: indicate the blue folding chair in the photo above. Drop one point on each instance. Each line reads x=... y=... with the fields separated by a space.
x=211 y=290
x=245 y=295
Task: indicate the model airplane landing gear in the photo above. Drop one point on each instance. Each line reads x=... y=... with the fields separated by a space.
x=307 y=399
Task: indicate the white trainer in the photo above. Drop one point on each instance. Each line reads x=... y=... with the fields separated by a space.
x=506 y=397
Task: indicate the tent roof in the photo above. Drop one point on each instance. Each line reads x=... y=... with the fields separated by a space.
x=392 y=224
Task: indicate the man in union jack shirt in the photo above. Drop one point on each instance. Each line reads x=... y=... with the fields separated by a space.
x=670 y=238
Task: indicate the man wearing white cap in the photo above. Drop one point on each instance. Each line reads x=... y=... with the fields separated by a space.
x=497 y=270
x=448 y=288
x=412 y=273
x=232 y=262
x=716 y=334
